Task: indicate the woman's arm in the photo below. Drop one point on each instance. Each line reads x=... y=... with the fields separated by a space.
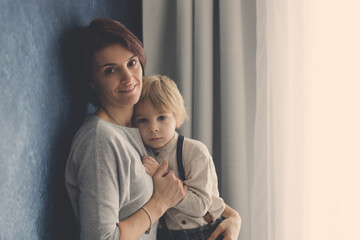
x=168 y=191
x=230 y=227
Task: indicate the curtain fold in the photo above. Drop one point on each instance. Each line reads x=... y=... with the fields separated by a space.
x=184 y=56
x=203 y=74
x=234 y=146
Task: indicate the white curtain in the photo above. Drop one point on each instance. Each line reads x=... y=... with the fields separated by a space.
x=278 y=166
x=305 y=178
x=272 y=88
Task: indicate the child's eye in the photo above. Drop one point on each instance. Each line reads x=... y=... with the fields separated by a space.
x=161 y=117
x=110 y=70
x=141 y=120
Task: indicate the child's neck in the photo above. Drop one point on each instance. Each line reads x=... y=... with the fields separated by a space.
x=164 y=144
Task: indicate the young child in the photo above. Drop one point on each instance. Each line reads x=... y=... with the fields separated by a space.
x=158 y=113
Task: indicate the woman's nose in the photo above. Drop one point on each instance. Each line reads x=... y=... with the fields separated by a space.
x=125 y=76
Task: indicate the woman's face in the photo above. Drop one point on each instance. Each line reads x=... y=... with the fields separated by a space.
x=117 y=76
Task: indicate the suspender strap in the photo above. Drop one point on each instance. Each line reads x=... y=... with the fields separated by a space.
x=179 y=151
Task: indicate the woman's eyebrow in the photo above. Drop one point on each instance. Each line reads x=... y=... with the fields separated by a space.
x=107 y=64
x=132 y=57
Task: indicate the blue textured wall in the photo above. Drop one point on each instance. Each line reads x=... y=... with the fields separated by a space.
x=39 y=110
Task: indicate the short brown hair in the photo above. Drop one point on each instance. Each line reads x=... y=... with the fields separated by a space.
x=101 y=33
x=164 y=95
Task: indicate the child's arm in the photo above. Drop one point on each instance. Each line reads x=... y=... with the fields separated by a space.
x=201 y=179
x=151 y=165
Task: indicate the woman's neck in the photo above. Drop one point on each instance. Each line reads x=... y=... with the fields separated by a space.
x=120 y=116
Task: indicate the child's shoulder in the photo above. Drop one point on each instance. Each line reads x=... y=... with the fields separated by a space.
x=195 y=146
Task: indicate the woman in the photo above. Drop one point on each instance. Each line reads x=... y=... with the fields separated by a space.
x=112 y=196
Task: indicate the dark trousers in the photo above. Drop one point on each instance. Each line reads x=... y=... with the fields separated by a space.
x=200 y=233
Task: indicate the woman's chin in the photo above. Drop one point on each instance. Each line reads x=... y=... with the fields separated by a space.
x=128 y=99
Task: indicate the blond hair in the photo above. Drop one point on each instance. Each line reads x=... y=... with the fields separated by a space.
x=164 y=95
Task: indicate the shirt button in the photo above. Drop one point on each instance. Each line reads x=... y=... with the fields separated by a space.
x=183 y=222
x=156 y=154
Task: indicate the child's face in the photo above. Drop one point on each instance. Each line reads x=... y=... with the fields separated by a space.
x=156 y=128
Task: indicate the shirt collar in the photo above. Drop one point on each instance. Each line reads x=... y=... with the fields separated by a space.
x=167 y=148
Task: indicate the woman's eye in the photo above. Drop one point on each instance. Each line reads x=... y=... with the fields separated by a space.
x=110 y=70
x=161 y=118
x=132 y=62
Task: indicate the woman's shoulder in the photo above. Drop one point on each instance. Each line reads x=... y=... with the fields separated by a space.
x=98 y=137
x=97 y=132
x=95 y=127
x=92 y=128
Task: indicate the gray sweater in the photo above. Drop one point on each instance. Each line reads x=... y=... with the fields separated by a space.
x=105 y=178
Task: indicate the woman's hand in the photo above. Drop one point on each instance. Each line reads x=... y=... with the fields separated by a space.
x=230 y=227
x=168 y=189
x=151 y=165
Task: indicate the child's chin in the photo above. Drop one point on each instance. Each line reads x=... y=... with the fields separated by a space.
x=156 y=146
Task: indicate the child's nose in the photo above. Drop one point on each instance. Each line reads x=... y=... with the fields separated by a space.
x=154 y=128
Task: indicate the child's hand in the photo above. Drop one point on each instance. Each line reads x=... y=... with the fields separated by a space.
x=151 y=165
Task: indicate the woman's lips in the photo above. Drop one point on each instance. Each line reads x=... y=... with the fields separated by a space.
x=128 y=90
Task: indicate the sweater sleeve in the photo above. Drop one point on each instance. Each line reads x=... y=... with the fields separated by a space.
x=97 y=177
